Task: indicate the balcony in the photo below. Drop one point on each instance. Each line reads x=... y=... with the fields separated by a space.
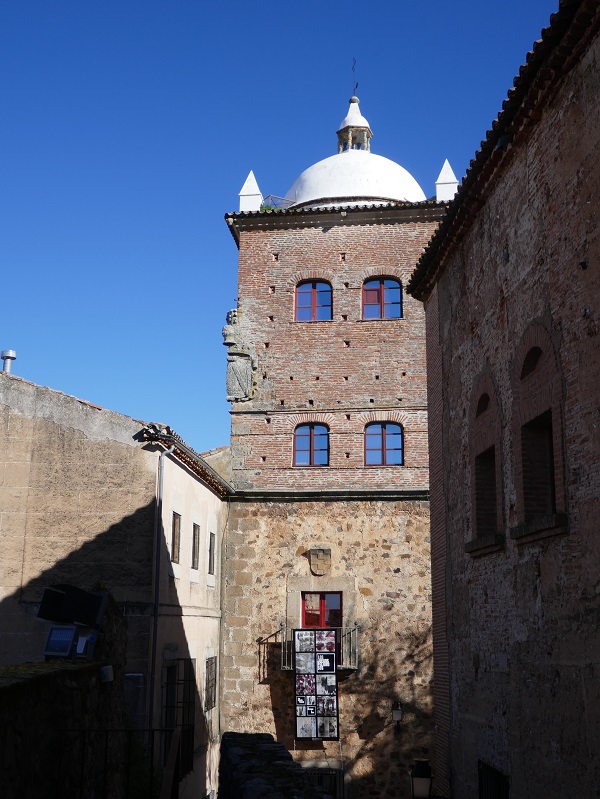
x=347 y=637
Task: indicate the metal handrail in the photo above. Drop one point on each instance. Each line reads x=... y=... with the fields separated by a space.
x=347 y=651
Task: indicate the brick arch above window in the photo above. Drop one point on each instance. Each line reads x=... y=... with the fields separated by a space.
x=292 y=421
x=367 y=417
x=539 y=387
x=484 y=386
x=310 y=274
x=375 y=272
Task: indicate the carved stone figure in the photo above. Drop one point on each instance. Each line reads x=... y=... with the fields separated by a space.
x=241 y=362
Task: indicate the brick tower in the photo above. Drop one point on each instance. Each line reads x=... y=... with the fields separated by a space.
x=329 y=526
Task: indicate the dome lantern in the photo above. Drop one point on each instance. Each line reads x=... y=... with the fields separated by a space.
x=354 y=175
x=354 y=132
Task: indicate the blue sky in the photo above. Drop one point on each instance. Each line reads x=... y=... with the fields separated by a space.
x=128 y=128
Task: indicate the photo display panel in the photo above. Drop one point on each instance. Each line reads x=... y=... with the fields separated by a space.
x=316 y=690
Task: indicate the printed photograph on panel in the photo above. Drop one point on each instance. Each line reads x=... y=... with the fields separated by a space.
x=327 y=728
x=306 y=727
x=305 y=662
x=326 y=684
x=326 y=706
x=305 y=684
x=325 y=640
x=304 y=641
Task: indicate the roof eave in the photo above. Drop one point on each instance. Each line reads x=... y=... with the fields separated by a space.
x=254 y=220
x=554 y=54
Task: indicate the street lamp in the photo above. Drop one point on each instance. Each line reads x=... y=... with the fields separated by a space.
x=420 y=779
x=397 y=713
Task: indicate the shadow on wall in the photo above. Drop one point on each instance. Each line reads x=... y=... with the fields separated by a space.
x=61 y=729
x=378 y=758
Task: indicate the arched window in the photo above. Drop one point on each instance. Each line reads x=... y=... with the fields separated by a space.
x=537 y=452
x=382 y=298
x=311 y=445
x=384 y=444
x=313 y=301
x=538 y=443
x=485 y=457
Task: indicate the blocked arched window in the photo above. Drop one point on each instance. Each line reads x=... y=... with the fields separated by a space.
x=384 y=444
x=537 y=449
x=382 y=298
x=311 y=445
x=538 y=437
x=485 y=448
x=313 y=301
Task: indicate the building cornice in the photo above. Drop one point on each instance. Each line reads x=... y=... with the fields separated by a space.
x=285 y=218
x=338 y=495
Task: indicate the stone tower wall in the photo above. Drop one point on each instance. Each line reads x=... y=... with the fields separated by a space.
x=380 y=561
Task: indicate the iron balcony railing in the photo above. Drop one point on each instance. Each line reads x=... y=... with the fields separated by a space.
x=347 y=655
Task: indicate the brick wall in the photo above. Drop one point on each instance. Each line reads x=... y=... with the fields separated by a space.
x=523 y=616
x=345 y=372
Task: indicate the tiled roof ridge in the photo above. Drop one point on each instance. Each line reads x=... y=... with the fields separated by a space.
x=549 y=53
x=312 y=210
x=288 y=214
x=162 y=433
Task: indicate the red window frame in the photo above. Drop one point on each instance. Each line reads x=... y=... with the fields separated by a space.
x=326 y=613
x=311 y=445
x=382 y=443
x=314 y=301
x=382 y=298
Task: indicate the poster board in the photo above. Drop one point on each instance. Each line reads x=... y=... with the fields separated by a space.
x=315 y=685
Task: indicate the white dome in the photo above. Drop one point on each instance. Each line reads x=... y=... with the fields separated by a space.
x=354 y=177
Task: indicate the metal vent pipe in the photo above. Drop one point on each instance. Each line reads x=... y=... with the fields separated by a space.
x=8 y=356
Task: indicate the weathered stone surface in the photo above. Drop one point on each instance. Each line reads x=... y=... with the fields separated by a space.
x=254 y=766
x=393 y=615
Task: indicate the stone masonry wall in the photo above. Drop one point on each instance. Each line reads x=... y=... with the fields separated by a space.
x=380 y=562
x=77 y=506
x=523 y=620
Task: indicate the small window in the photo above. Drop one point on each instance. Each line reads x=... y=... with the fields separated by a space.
x=537 y=455
x=210 y=685
x=211 y=552
x=311 y=445
x=485 y=493
x=175 y=537
x=313 y=301
x=382 y=299
x=482 y=405
x=531 y=361
x=195 y=545
x=322 y=610
x=384 y=445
